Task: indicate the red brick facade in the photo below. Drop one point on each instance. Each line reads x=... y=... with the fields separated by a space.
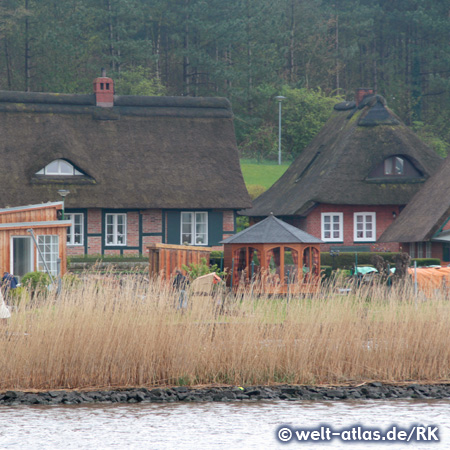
x=384 y=214
x=144 y=226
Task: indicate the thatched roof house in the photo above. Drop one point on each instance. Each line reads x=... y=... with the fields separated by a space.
x=124 y=153
x=364 y=161
x=426 y=219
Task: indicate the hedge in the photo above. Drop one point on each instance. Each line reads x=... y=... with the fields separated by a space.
x=346 y=260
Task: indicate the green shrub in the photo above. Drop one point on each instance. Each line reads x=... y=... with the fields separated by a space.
x=19 y=295
x=197 y=270
x=326 y=272
x=216 y=258
x=35 y=281
x=347 y=260
x=423 y=262
x=106 y=258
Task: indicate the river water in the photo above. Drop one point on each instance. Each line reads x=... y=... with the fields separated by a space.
x=211 y=426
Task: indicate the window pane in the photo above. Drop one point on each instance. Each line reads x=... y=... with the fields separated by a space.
x=65 y=168
x=326 y=219
x=388 y=166
x=398 y=166
x=336 y=219
x=49 y=253
x=52 y=167
x=186 y=217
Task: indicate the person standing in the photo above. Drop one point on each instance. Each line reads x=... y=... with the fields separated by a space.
x=180 y=283
x=9 y=281
x=4 y=311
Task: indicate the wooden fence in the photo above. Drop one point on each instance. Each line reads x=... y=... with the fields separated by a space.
x=165 y=259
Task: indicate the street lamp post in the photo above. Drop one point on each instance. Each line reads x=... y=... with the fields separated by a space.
x=279 y=98
x=63 y=193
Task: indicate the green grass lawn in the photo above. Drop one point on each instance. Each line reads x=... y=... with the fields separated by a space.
x=262 y=174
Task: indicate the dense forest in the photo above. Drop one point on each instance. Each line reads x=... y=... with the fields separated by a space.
x=250 y=51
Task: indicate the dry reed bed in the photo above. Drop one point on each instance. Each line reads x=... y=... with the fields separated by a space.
x=101 y=334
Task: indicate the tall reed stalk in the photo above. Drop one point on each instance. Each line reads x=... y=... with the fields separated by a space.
x=104 y=334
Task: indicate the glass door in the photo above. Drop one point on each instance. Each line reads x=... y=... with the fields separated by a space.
x=21 y=256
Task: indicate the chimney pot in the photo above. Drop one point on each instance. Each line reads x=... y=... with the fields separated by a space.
x=104 y=91
x=361 y=93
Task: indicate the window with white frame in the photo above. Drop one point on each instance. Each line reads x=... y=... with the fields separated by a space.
x=428 y=250
x=412 y=249
x=116 y=229
x=194 y=228
x=59 y=167
x=75 y=233
x=419 y=250
x=48 y=252
x=332 y=227
x=364 y=227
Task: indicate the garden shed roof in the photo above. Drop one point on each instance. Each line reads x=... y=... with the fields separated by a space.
x=272 y=230
x=334 y=168
x=144 y=152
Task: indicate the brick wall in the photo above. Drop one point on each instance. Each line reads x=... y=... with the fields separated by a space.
x=384 y=217
x=94 y=245
x=94 y=221
x=228 y=221
x=73 y=251
x=133 y=229
x=147 y=240
x=152 y=221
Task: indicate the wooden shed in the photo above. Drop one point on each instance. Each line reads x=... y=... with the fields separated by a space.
x=278 y=256
x=32 y=238
x=165 y=259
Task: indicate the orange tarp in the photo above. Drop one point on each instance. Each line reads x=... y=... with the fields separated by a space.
x=431 y=278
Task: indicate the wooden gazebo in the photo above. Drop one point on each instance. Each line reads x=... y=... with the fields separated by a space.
x=275 y=256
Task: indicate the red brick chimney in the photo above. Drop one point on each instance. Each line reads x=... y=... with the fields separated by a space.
x=104 y=91
x=361 y=93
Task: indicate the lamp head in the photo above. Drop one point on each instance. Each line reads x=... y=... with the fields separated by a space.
x=63 y=192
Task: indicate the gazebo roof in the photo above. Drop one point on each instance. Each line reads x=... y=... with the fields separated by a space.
x=272 y=231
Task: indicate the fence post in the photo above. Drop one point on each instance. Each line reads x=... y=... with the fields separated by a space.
x=415 y=280
x=232 y=273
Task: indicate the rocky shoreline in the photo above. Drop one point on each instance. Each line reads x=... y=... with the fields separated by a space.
x=374 y=390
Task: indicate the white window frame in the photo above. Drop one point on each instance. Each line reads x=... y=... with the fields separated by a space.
x=364 y=230
x=71 y=230
x=428 y=249
x=49 y=250
x=115 y=233
x=195 y=220
x=59 y=172
x=419 y=250
x=325 y=229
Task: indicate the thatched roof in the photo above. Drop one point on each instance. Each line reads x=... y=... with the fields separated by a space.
x=145 y=152
x=334 y=168
x=272 y=231
x=426 y=213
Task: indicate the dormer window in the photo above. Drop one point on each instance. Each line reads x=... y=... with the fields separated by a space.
x=59 y=167
x=395 y=169
x=394 y=166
